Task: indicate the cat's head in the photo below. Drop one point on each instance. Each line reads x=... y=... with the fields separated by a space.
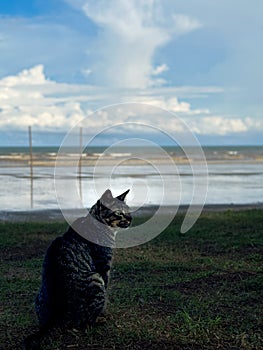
x=112 y=211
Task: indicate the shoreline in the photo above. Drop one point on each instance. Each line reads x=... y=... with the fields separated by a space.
x=97 y=161
x=128 y=156
x=55 y=215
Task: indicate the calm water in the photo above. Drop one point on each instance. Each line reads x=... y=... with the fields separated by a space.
x=235 y=176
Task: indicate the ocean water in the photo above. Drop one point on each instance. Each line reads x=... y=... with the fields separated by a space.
x=235 y=176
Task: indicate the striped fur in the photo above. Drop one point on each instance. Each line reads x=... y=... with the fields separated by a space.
x=73 y=289
x=76 y=270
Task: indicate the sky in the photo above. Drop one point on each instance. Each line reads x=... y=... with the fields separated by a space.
x=62 y=60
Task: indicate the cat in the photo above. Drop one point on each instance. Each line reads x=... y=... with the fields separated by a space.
x=76 y=268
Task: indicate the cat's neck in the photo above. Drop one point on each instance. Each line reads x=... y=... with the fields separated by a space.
x=94 y=214
x=93 y=230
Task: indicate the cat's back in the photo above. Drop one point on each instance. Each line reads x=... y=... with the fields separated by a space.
x=65 y=253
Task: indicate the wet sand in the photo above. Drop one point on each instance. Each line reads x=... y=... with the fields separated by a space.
x=90 y=159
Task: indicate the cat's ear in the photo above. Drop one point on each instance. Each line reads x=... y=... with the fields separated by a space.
x=106 y=198
x=122 y=196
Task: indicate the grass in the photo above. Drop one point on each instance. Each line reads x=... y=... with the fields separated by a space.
x=201 y=290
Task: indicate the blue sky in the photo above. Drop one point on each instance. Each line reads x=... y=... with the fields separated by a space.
x=63 y=59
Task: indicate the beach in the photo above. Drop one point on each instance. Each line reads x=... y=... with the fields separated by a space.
x=202 y=288
x=233 y=177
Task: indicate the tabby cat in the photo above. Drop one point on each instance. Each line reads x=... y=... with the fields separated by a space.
x=76 y=268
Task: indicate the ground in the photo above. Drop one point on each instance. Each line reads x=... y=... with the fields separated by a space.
x=199 y=290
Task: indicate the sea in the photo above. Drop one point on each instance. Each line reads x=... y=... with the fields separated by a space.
x=231 y=175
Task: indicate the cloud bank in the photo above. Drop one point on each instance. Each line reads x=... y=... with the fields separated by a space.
x=30 y=98
x=25 y=101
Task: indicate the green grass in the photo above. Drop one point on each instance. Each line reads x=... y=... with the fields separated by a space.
x=200 y=290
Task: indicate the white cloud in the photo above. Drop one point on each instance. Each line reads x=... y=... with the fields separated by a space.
x=253 y=123
x=33 y=76
x=130 y=34
x=219 y=125
x=160 y=69
x=172 y=104
x=24 y=103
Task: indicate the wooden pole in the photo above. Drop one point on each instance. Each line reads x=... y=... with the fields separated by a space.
x=31 y=165
x=80 y=160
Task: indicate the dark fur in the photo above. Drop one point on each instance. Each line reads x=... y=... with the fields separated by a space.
x=76 y=270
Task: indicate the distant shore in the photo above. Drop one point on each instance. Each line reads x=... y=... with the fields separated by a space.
x=91 y=161
x=43 y=157
x=48 y=215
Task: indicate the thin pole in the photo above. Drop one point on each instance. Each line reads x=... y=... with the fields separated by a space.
x=80 y=160
x=31 y=165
